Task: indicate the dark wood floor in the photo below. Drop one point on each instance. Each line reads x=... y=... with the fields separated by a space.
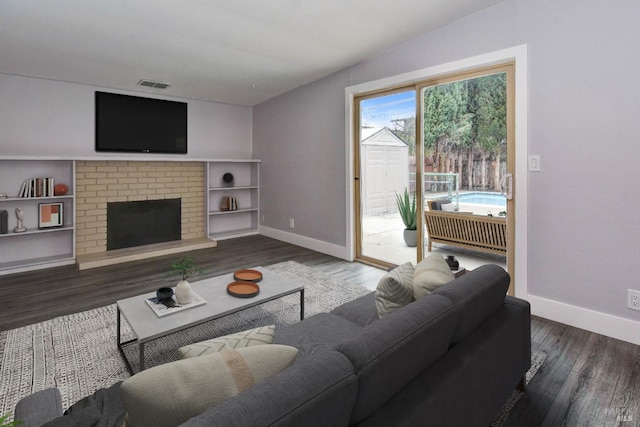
x=44 y=294
x=586 y=380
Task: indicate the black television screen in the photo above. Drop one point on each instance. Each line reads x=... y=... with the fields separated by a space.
x=141 y=125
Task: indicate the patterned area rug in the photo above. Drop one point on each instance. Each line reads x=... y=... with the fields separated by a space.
x=78 y=353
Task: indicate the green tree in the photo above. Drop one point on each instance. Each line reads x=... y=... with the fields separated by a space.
x=465 y=120
x=488 y=106
x=444 y=121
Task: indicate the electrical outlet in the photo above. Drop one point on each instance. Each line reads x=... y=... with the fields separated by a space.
x=633 y=299
x=262 y=219
x=291 y=223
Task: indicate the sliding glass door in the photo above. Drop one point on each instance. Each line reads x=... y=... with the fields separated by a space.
x=465 y=128
x=385 y=167
x=468 y=148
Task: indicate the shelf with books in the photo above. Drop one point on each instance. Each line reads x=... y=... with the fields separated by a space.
x=46 y=242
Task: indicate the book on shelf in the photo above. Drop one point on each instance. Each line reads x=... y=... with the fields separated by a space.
x=37 y=187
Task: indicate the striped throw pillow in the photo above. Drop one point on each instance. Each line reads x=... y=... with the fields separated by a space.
x=251 y=337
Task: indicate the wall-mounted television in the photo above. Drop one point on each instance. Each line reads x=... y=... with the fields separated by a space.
x=140 y=125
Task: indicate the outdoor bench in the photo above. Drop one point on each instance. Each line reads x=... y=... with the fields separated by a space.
x=477 y=232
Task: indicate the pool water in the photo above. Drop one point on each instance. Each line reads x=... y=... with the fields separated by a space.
x=484 y=198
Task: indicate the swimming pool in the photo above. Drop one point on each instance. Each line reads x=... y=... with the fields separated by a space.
x=484 y=198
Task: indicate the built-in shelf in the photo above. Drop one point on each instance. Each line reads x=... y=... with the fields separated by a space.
x=35 y=247
x=36 y=263
x=234 y=212
x=225 y=224
x=248 y=187
x=11 y=233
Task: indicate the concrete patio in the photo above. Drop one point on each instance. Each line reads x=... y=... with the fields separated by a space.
x=383 y=240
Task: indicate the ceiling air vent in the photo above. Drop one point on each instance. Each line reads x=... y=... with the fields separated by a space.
x=153 y=83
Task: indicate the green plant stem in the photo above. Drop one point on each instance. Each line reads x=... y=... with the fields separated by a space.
x=407 y=209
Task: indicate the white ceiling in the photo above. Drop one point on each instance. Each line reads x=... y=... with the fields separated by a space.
x=233 y=51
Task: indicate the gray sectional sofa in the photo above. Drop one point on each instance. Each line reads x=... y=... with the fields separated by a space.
x=451 y=358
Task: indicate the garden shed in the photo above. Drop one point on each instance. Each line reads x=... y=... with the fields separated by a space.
x=384 y=170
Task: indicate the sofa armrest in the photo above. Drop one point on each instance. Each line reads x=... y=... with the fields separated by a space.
x=525 y=307
x=39 y=408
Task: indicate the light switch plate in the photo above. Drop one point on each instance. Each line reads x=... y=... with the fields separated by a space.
x=534 y=163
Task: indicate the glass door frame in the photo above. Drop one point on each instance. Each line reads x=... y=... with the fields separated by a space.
x=517 y=54
x=509 y=69
x=357 y=139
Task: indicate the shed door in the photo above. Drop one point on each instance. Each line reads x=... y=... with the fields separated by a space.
x=386 y=172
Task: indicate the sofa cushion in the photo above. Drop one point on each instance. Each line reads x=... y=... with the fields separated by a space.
x=256 y=336
x=430 y=273
x=448 y=207
x=316 y=392
x=320 y=332
x=395 y=289
x=361 y=311
x=476 y=295
x=437 y=203
x=389 y=353
x=170 y=394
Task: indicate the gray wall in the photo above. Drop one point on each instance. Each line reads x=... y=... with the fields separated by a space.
x=584 y=105
x=49 y=118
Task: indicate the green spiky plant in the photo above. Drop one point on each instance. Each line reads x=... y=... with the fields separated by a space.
x=184 y=267
x=5 y=423
x=407 y=209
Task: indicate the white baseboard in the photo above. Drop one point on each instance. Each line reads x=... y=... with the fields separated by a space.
x=306 y=242
x=583 y=318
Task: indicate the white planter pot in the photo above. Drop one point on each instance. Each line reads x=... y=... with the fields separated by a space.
x=183 y=292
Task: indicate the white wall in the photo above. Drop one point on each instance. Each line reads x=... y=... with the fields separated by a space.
x=49 y=118
x=584 y=235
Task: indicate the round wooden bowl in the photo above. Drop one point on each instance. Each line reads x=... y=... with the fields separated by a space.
x=242 y=289
x=247 y=276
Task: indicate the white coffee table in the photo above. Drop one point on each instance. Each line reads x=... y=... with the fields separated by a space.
x=147 y=326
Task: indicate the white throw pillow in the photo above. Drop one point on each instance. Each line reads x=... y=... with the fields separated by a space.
x=449 y=207
x=256 y=336
x=430 y=273
x=170 y=394
x=395 y=289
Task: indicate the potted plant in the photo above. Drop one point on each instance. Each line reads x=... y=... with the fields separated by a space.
x=5 y=423
x=184 y=267
x=408 y=211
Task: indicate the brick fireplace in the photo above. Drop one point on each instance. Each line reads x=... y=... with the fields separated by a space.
x=102 y=182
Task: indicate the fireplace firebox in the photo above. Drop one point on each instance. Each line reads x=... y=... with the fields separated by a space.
x=143 y=222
